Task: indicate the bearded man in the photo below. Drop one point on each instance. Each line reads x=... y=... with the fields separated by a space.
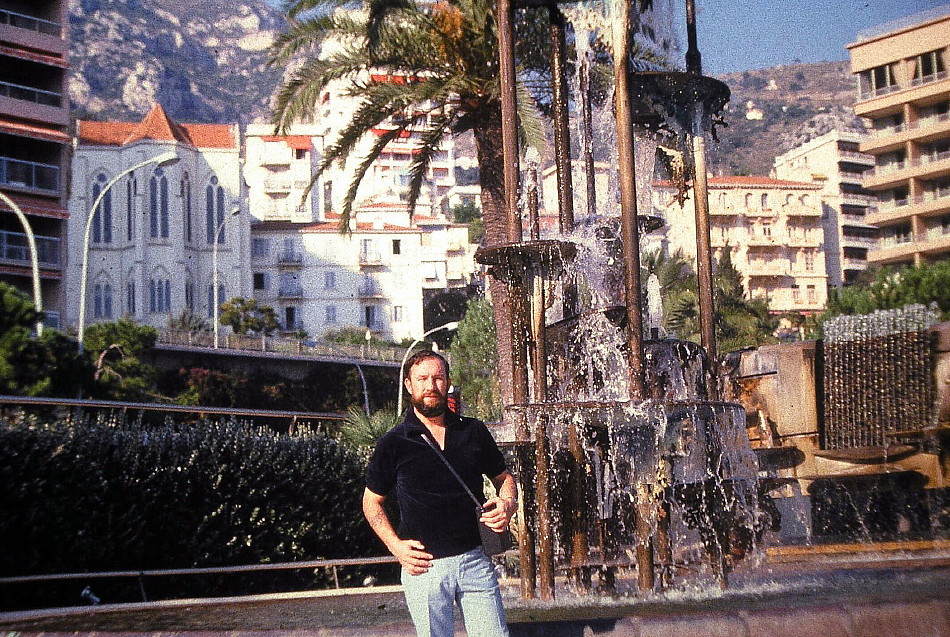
x=437 y=542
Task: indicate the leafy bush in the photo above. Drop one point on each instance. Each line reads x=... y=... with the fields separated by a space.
x=127 y=497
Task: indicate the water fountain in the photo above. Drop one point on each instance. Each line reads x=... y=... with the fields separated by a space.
x=620 y=435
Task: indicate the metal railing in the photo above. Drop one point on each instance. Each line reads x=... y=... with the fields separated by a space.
x=14 y=246
x=22 y=21
x=29 y=174
x=30 y=94
x=287 y=346
x=332 y=565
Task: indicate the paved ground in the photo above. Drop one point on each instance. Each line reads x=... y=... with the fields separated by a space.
x=906 y=596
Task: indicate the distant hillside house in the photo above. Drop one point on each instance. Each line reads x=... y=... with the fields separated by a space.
x=151 y=242
x=773 y=229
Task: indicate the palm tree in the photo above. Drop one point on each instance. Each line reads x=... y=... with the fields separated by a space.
x=437 y=66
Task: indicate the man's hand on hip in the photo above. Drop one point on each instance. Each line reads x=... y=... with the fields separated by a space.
x=412 y=556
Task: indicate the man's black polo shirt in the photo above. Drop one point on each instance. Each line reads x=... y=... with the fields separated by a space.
x=433 y=506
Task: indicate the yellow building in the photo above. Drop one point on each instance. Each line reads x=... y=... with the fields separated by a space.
x=904 y=90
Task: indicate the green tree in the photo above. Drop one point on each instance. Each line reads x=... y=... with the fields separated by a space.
x=445 y=56
x=739 y=321
x=470 y=214
x=119 y=351
x=246 y=316
x=475 y=362
x=890 y=288
x=49 y=365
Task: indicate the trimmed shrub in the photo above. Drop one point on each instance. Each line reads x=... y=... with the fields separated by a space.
x=102 y=497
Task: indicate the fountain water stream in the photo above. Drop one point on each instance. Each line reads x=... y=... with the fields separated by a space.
x=621 y=438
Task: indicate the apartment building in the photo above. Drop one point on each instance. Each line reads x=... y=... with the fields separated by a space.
x=772 y=228
x=834 y=162
x=160 y=232
x=378 y=274
x=904 y=92
x=34 y=146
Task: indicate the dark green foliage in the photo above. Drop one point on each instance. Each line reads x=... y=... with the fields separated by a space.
x=99 y=497
x=246 y=316
x=891 y=288
x=48 y=365
x=119 y=351
x=475 y=362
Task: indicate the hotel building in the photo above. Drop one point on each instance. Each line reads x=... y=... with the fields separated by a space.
x=904 y=91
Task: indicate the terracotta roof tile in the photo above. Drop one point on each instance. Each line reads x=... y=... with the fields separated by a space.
x=159 y=126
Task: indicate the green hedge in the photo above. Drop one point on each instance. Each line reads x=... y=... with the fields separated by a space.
x=105 y=497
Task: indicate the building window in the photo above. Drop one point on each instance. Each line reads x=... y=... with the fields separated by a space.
x=158 y=205
x=809 y=261
x=131 y=191
x=329 y=280
x=260 y=248
x=102 y=219
x=102 y=300
x=130 y=298
x=186 y=206
x=159 y=295
x=796 y=294
x=370 y=316
x=261 y=280
x=291 y=322
x=190 y=296
x=765 y=201
x=877 y=81
x=398 y=314
x=928 y=66
x=221 y=298
x=397 y=246
x=329 y=315
x=812 y=294
x=214 y=210
x=327 y=196
x=300 y=153
x=767 y=230
x=748 y=200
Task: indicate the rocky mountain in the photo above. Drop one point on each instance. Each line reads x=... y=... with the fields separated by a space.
x=203 y=60
x=772 y=110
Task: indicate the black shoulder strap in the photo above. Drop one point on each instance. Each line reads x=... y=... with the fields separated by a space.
x=438 y=452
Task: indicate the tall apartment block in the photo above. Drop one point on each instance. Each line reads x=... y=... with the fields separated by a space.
x=34 y=145
x=833 y=161
x=904 y=90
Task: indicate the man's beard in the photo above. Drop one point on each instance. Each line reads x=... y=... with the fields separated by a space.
x=430 y=411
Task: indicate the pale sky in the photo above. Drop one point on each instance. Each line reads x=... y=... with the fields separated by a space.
x=738 y=35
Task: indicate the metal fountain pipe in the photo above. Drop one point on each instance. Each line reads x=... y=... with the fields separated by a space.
x=516 y=302
x=707 y=326
x=630 y=235
x=630 y=232
x=562 y=143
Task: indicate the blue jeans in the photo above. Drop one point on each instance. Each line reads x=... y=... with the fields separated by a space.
x=467 y=579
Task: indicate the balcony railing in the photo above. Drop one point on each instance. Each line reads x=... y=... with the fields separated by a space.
x=887 y=169
x=290 y=291
x=850 y=154
x=29 y=174
x=290 y=259
x=927 y=79
x=30 y=94
x=370 y=258
x=369 y=290
x=273 y=184
x=29 y=22
x=866 y=94
x=15 y=247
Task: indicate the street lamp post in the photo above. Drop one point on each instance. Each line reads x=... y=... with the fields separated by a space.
x=235 y=211
x=165 y=159
x=451 y=325
x=34 y=259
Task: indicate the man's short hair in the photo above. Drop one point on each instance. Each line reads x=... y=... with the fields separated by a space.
x=420 y=356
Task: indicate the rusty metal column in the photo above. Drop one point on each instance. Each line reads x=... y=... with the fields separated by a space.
x=562 y=137
x=516 y=302
x=587 y=139
x=707 y=324
x=630 y=235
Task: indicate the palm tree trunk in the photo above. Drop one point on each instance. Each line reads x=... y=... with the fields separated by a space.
x=487 y=134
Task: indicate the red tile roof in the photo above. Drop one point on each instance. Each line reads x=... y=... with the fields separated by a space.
x=297 y=142
x=747 y=181
x=35 y=132
x=159 y=126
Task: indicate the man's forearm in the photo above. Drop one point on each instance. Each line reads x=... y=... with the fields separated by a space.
x=378 y=521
